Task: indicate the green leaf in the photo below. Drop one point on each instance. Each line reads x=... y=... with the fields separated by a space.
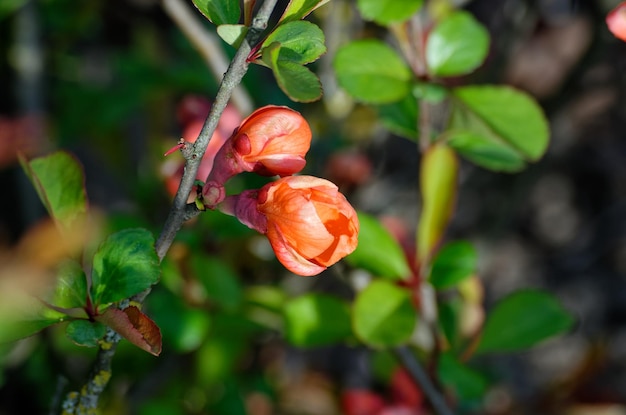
x=448 y=313
x=10 y=6
x=13 y=330
x=522 y=320
x=58 y=179
x=233 y=34
x=378 y=252
x=220 y=11
x=22 y=314
x=385 y=12
x=454 y=262
x=264 y=305
x=467 y=383
x=430 y=92
x=125 y=264
x=510 y=115
x=300 y=42
x=295 y=80
x=438 y=183
x=371 y=71
x=457 y=45
x=85 y=333
x=299 y=9
x=219 y=281
x=71 y=288
x=183 y=328
x=401 y=117
x=266 y=296
x=316 y=320
x=383 y=315
x=485 y=151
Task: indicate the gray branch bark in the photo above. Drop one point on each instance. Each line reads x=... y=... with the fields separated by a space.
x=85 y=401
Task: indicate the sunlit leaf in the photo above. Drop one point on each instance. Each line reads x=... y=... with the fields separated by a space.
x=294 y=79
x=316 y=320
x=233 y=34
x=522 y=320
x=457 y=45
x=438 y=183
x=483 y=150
x=378 y=252
x=59 y=181
x=510 y=115
x=371 y=71
x=383 y=315
x=453 y=263
x=220 y=11
x=125 y=264
x=300 y=42
x=71 y=288
x=385 y=12
x=299 y=9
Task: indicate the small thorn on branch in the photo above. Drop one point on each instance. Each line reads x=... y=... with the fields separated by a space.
x=182 y=144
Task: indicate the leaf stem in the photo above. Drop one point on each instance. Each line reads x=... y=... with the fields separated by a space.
x=419 y=375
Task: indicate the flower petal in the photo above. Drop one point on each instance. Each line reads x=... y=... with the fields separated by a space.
x=290 y=257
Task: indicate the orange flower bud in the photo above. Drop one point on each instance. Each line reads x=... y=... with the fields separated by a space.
x=616 y=21
x=310 y=224
x=271 y=141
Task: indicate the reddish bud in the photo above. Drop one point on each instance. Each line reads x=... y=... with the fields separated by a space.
x=192 y=107
x=348 y=169
x=361 y=402
x=404 y=390
x=616 y=21
x=279 y=139
x=192 y=112
x=271 y=141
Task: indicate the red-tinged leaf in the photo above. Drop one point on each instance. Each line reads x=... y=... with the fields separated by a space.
x=438 y=180
x=361 y=402
x=135 y=327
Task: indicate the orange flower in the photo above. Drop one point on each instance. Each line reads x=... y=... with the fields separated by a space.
x=271 y=141
x=310 y=224
x=616 y=21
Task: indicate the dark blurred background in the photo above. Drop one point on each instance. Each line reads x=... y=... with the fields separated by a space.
x=104 y=80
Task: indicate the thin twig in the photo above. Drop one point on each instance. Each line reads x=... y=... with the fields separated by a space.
x=85 y=402
x=411 y=364
x=232 y=78
x=207 y=45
